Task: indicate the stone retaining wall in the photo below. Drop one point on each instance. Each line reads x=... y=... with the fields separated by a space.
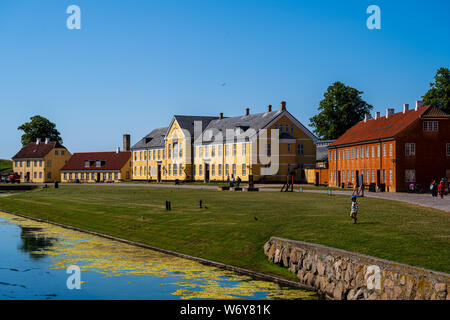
x=340 y=274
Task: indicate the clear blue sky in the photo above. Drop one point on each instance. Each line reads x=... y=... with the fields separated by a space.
x=136 y=63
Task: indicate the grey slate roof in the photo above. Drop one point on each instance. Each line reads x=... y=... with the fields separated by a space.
x=187 y=122
x=153 y=140
x=256 y=121
x=321 y=153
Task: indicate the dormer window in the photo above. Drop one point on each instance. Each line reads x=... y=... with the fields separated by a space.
x=87 y=164
x=431 y=126
x=98 y=164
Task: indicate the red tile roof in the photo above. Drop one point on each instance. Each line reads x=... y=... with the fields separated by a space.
x=110 y=160
x=383 y=128
x=33 y=150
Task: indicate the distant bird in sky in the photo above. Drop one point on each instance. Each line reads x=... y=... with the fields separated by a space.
x=223 y=84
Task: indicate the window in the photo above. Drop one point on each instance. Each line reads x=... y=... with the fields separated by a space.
x=49 y=175
x=200 y=170
x=181 y=169
x=170 y=169
x=331 y=175
x=35 y=175
x=384 y=175
x=292 y=128
x=145 y=155
x=390 y=149
x=40 y=175
x=289 y=147
x=98 y=164
x=244 y=171
x=339 y=155
x=353 y=175
x=93 y=176
x=86 y=164
x=373 y=175
x=213 y=169
x=175 y=169
x=227 y=172
x=194 y=170
x=431 y=126
x=213 y=151
x=65 y=176
x=447 y=153
x=70 y=176
x=220 y=169
x=140 y=171
x=82 y=176
x=361 y=152
x=390 y=175
x=384 y=150
x=373 y=152
x=244 y=149
x=331 y=156
x=206 y=152
x=378 y=150
x=56 y=152
x=287 y=128
x=62 y=152
x=367 y=176
x=410 y=175
x=116 y=176
x=353 y=153
x=410 y=149
x=180 y=153
x=234 y=169
x=135 y=157
x=367 y=152
x=28 y=163
x=20 y=163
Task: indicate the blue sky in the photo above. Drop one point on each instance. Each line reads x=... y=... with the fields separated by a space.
x=135 y=63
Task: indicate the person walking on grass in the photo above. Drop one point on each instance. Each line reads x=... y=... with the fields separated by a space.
x=441 y=189
x=354 y=209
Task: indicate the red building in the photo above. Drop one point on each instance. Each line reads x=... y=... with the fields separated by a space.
x=394 y=150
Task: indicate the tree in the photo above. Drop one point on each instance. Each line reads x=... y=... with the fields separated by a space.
x=341 y=108
x=39 y=127
x=439 y=93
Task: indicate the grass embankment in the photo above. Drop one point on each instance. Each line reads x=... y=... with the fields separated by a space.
x=5 y=166
x=227 y=230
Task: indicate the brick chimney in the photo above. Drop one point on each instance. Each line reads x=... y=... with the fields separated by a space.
x=47 y=140
x=247 y=111
x=389 y=112
x=38 y=140
x=269 y=108
x=419 y=104
x=367 y=117
x=126 y=142
x=221 y=115
x=405 y=108
x=377 y=115
x=283 y=106
x=118 y=150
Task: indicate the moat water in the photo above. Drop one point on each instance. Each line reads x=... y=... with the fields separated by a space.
x=34 y=258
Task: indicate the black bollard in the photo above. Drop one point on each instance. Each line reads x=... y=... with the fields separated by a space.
x=167 y=205
x=200 y=204
x=170 y=206
x=56 y=185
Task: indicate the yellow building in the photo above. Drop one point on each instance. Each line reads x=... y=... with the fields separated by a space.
x=240 y=147
x=40 y=161
x=91 y=167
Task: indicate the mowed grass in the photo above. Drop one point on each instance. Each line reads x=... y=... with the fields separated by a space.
x=5 y=165
x=227 y=230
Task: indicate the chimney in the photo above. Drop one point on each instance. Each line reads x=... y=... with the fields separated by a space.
x=389 y=111
x=38 y=140
x=47 y=140
x=221 y=115
x=377 y=115
x=269 y=108
x=117 y=149
x=126 y=142
x=419 y=104
x=247 y=111
x=367 y=117
x=283 y=106
x=405 y=108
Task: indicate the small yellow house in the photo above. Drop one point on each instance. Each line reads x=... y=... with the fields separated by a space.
x=98 y=167
x=40 y=161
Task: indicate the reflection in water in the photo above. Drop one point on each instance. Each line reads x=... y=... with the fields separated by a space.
x=33 y=242
x=120 y=265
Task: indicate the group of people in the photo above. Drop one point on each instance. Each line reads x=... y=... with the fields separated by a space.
x=440 y=188
x=234 y=181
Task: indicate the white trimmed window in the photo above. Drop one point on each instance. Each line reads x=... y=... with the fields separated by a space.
x=384 y=150
x=367 y=152
x=244 y=172
x=373 y=175
x=373 y=152
x=390 y=175
x=410 y=149
x=431 y=126
x=390 y=149
x=220 y=169
x=410 y=175
x=234 y=169
x=213 y=169
x=227 y=172
x=378 y=150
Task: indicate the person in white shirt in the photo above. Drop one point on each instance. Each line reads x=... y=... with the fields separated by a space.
x=354 y=209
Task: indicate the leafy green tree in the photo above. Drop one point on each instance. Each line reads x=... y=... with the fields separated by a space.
x=341 y=108
x=39 y=127
x=439 y=93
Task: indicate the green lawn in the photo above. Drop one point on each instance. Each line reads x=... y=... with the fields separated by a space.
x=227 y=230
x=5 y=165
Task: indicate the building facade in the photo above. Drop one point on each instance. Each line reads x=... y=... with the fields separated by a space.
x=190 y=148
x=40 y=161
x=89 y=167
x=393 y=151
